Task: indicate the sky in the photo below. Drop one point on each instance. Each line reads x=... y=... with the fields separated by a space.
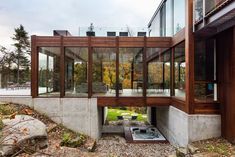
x=41 y=17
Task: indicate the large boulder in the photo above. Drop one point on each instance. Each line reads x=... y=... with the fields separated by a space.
x=22 y=133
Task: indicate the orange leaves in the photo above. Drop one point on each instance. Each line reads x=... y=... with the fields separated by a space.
x=27 y=111
x=13 y=115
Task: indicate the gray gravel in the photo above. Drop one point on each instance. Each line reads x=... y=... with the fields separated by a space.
x=114 y=145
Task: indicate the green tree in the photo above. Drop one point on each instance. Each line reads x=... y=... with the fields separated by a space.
x=6 y=60
x=22 y=52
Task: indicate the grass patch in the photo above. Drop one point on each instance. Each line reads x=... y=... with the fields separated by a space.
x=113 y=113
x=6 y=109
x=72 y=140
x=219 y=148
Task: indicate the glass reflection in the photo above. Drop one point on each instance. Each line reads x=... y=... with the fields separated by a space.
x=49 y=71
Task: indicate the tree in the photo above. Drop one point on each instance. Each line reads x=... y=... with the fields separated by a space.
x=6 y=60
x=22 y=49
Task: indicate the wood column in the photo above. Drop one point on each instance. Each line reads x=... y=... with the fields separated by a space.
x=34 y=67
x=62 y=68
x=189 y=57
x=172 y=83
x=117 y=67
x=89 y=68
x=145 y=68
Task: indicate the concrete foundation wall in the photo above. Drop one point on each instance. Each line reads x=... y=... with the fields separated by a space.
x=181 y=129
x=149 y=114
x=78 y=114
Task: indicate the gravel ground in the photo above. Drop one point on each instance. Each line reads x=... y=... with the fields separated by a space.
x=114 y=145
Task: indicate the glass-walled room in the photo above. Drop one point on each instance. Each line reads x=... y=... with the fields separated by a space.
x=131 y=71
x=49 y=71
x=76 y=71
x=159 y=66
x=104 y=79
x=179 y=71
x=104 y=72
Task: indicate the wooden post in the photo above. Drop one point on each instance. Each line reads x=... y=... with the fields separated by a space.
x=89 y=68
x=144 y=68
x=172 y=83
x=34 y=67
x=62 y=68
x=189 y=57
x=132 y=74
x=117 y=67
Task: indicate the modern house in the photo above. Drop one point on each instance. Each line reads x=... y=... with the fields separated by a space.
x=183 y=72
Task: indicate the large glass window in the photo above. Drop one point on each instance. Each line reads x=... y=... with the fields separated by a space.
x=131 y=71
x=179 y=15
x=179 y=70
x=205 y=71
x=155 y=26
x=163 y=21
x=76 y=68
x=49 y=71
x=104 y=72
x=169 y=17
x=158 y=72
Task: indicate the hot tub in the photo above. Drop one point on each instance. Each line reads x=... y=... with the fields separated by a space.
x=147 y=133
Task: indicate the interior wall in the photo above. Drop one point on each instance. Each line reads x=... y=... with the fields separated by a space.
x=226 y=77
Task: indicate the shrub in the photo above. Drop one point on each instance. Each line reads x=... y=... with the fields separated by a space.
x=1 y=124
x=73 y=141
x=6 y=109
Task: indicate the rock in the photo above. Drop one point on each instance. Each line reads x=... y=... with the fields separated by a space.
x=23 y=132
x=192 y=149
x=90 y=145
x=173 y=155
x=181 y=152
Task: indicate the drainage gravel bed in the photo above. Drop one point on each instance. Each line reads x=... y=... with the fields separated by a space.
x=115 y=145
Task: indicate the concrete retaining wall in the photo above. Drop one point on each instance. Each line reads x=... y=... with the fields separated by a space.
x=180 y=128
x=78 y=114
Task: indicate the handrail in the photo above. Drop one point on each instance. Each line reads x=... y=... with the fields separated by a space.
x=202 y=8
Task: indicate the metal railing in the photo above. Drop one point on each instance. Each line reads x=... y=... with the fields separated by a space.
x=113 y=31
x=203 y=7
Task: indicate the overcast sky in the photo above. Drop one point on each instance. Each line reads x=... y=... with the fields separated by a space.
x=40 y=17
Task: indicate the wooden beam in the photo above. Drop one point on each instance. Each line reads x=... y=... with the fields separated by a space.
x=189 y=57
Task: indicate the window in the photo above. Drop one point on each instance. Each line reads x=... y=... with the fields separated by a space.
x=163 y=21
x=49 y=71
x=205 y=71
x=155 y=26
x=158 y=72
x=131 y=71
x=179 y=70
x=179 y=15
x=104 y=72
x=169 y=17
x=76 y=68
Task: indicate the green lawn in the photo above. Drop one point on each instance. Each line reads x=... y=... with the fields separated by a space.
x=113 y=113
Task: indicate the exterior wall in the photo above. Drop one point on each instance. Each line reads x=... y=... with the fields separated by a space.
x=181 y=129
x=149 y=114
x=78 y=114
